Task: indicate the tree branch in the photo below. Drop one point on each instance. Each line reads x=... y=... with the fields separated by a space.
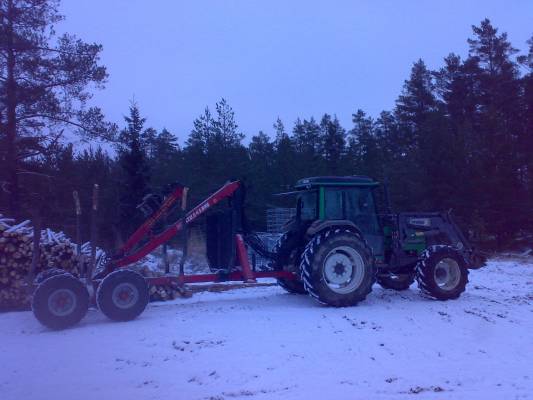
x=59 y=119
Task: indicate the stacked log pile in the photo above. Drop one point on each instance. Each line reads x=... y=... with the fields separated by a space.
x=160 y=292
x=100 y=259
x=16 y=249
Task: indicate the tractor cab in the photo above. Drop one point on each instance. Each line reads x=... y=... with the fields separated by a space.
x=340 y=200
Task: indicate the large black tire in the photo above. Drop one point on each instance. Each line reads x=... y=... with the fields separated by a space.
x=60 y=301
x=337 y=268
x=122 y=295
x=396 y=281
x=294 y=286
x=48 y=273
x=287 y=257
x=442 y=273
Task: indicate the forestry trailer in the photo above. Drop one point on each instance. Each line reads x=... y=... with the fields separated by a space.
x=334 y=249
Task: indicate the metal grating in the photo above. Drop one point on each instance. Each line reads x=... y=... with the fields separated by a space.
x=277 y=217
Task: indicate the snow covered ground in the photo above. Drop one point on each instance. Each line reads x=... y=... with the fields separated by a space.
x=262 y=343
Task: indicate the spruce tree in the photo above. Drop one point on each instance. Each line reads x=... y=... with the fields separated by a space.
x=306 y=138
x=135 y=177
x=166 y=164
x=284 y=158
x=259 y=174
x=332 y=144
x=364 y=154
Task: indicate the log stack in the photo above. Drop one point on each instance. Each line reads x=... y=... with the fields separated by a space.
x=170 y=291
x=16 y=248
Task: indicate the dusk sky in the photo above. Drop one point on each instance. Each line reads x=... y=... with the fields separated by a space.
x=273 y=58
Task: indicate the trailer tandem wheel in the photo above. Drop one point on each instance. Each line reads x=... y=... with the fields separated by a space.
x=123 y=295
x=60 y=301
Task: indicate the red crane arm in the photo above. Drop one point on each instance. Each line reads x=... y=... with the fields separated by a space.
x=224 y=192
x=149 y=223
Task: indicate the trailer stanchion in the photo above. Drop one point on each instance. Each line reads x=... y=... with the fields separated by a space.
x=79 y=256
x=242 y=255
x=185 y=232
x=94 y=214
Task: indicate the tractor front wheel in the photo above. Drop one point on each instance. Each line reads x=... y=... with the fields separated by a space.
x=396 y=281
x=337 y=268
x=122 y=295
x=60 y=301
x=442 y=273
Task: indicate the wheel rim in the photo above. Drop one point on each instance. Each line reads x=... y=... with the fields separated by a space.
x=344 y=269
x=447 y=274
x=125 y=295
x=62 y=302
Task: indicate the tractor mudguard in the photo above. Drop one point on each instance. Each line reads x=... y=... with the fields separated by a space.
x=320 y=225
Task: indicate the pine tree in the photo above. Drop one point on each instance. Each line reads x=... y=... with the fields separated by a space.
x=498 y=124
x=43 y=88
x=526 y=139
x=456 y=86
x=202 y=133
x=417 y=115
x=226 y=129
x=415 y=104
x=213 y=151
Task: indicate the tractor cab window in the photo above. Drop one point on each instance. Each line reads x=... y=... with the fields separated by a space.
x=361 y=209
x=307 y=205
x=333 y=206
x=354 y=204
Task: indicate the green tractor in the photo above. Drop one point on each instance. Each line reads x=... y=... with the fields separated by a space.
x=339 y=245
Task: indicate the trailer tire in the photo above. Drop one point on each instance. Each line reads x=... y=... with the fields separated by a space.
x=122 y=295
x=442 y=273
x=48 y=273
x=60 y=301
x=287 y=256
x=337 y=267
x=397 y=282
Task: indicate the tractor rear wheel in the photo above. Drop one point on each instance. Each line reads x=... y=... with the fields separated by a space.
x=337 y=268
x=122 y=295
x=60 y=301
x=294 y=286
x=396 y=281
x=442 y=273
x=287 y=258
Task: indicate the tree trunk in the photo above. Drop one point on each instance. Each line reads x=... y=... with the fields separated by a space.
x=11 y=126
